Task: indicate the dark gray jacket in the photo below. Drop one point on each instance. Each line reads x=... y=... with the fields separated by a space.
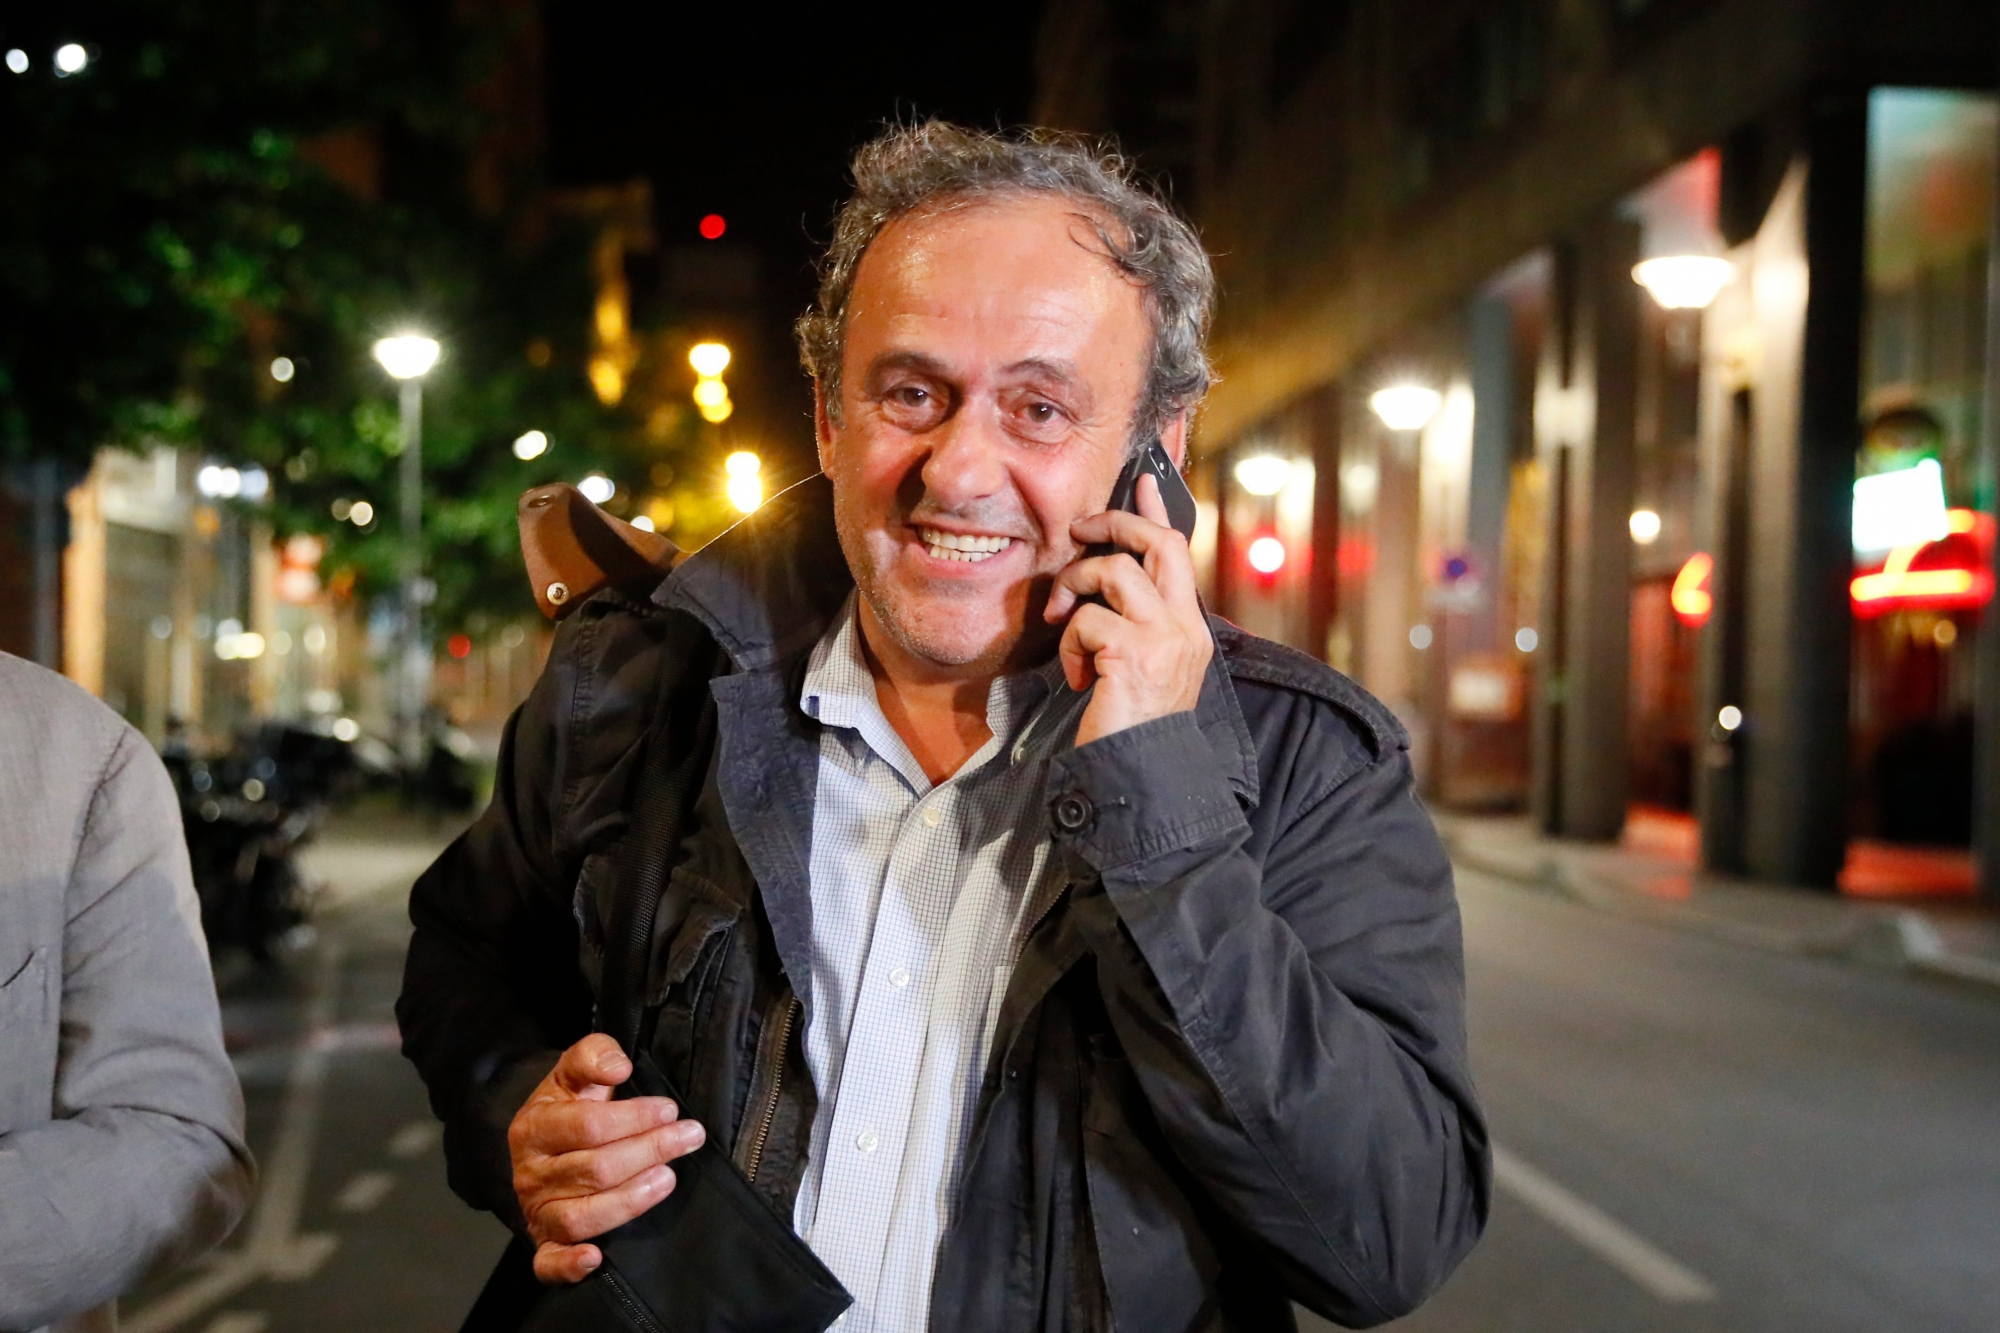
x=1230 y=1068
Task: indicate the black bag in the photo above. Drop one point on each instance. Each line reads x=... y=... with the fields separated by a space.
x=712 y=1257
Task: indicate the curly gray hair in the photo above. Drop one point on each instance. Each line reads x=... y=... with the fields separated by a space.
x=935 y=164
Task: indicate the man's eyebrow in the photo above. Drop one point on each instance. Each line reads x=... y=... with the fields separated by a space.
x=906 y=359
x=1047 y=367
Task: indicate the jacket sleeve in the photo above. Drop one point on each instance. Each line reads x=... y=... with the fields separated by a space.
x=143 y=1161
x=1291 y=997
x=492 y=992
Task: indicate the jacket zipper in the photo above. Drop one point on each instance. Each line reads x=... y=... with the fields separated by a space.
x=769 y=1111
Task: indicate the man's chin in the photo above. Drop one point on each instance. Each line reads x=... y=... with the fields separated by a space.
x=956 y=638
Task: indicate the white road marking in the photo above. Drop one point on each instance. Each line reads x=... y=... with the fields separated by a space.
x=414 y=1139
x=1607 y=1238
x=272 y=1247
x=364 y=1191
x=239 y=1321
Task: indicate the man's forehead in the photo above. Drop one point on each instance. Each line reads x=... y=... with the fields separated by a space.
x=1028 y=273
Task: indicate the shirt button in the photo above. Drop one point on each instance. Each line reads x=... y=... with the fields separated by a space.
x=900 y=978
x=866 y=1141
x=933 y=816
x=1072 y=811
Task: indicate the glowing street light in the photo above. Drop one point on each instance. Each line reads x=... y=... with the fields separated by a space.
x=711 y=395
x=1263 y=474
x=1684 y=282
x=597 y=488
x=1645 y=526
x=1406 y=406
x=745 y=486
x=17 y=60
x=530 y=444
x=70 y=59
x=408 y=357
x=282 y=369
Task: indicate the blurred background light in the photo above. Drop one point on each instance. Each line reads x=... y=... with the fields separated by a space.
x=17 y=60
x=1901 y=508
x=1527 y=639
x=71 y=58
x=597 y=488
x=282 y=369
x=219 y=483
x=361 y=514
x=1406 y=406
x=709 y=359
x=1263 y=474
x=530 y=444
x=1266 y=555
x=712 y=227
x=1420 y=637
x=643 y=522
x=1645 y=525
x=1684 y=282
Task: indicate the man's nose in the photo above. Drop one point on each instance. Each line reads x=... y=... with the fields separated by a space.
x=967 y=462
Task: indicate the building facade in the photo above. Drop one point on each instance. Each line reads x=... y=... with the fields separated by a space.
x=1555 y=337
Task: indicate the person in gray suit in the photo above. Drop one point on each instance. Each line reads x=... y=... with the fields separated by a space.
x=121 y=1120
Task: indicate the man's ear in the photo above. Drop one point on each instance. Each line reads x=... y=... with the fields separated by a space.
x=822 y=427
x=1174 y=439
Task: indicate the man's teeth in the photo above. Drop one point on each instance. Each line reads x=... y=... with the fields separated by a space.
x=962 y=546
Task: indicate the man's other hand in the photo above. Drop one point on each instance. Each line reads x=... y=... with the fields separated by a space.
x=585 y=1164
x=1148 y=648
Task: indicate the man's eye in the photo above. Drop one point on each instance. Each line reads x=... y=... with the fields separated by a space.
x=911 y=396
x=1042 y=413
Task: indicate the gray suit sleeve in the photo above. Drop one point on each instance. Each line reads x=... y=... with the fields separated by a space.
x=144 y=1161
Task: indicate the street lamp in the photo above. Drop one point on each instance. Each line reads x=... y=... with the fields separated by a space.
x=408 y=357
x=1406 y=406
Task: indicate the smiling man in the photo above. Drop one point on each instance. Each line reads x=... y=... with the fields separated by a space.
x=1037 y=951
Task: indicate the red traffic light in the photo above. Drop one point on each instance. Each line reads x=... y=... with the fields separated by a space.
x=459 y=645
x=712 y=227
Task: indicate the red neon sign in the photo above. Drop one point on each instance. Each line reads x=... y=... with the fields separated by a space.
x=1952 y=573
x=1690 y=597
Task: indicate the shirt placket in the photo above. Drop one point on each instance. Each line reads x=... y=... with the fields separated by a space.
x=870 y=1136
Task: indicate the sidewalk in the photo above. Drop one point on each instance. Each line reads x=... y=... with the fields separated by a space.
x=1653 y=877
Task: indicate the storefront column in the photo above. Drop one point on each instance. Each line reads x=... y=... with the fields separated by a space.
x=1584 y=419
x=1798 y=630
x=1986 y=699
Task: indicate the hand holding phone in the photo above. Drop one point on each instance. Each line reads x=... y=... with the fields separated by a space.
x=1136 y=629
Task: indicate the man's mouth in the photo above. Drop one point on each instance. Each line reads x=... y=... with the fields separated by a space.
x=962 y=546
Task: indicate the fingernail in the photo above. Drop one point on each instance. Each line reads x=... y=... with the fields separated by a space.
x=669 y=1113
x=660 y=1178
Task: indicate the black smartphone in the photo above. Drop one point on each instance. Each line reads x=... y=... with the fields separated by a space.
x=1151 y=461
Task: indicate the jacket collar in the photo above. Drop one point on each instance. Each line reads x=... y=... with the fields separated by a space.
x=772 y=585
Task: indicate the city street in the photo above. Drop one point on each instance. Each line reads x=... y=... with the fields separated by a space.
x=1695 y=1135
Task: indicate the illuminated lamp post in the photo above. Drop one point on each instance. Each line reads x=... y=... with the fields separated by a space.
x=408 y=357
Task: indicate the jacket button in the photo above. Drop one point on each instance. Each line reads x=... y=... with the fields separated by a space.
x=1072 y=812
x=558 y=593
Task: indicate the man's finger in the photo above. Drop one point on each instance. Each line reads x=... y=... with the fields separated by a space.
x=1126 y=588
x=1088 y=633
x=1162 y=549
x=594 y=1170
x=560 y=1265
x=558 y=1127
x=588 y=1216
x=593 y=1063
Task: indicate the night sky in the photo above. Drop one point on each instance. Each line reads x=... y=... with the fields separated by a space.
x=752 y=110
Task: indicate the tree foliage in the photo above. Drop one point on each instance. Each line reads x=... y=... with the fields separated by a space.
x=230 y=181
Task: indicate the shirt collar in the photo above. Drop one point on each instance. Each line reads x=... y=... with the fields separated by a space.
x=838 y=690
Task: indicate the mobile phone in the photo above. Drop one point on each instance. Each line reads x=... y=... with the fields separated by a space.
x=1151 y=461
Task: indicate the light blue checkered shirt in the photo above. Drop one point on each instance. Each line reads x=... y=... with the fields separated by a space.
x=919 y=894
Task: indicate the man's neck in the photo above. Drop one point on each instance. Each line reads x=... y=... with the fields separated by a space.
x=939 y=714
